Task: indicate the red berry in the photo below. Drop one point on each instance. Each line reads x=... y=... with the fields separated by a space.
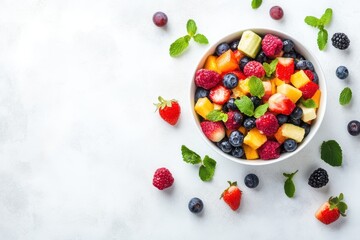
x=219 y=94
x=285 y=68
x=309 y=89
x=169 y=110
x=163 y=178
x=235 y=119
x=232 y=196
x=309 y=74
x=214 y=131
x=276 y=12
x=267 y=124
x=160 y=19
x=254 y=68
x=269 y=150
x=271 y=45
x=207 y=78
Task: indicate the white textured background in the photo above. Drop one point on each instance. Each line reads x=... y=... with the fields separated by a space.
x=79 y=139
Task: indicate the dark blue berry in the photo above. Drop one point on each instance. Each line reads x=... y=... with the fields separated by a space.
x=231 y=104
x=195 y=205
x=200 y=93
x=316 y=78
x=288 y=45
x=296 y=122
x=251 y=180
x=290 y=145
x=230 y=81
x=282 y=118
x=290 y=55
x=354 y=127
x=236 y=138
x=225 y=146
x=309 y=65
x=342 y=72
x=256 y=101
x=243 y=62
x=225 y=108
x=296 y=113
x=306 y=127
x=221 y=48
x=301 y=65
x=261 y=57
x=234 y=45
x=249 y=123
x=237 y=152
x=299 y=56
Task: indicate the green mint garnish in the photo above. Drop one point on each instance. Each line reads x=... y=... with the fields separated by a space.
x=331 y=153
x=320 y=24
x=308 y=103
x=181 y=44
x=261 y=110
x=245 y=105
x=289 y=185
x=216 y=116
x=270 y=68
x=256 y=87
x=256 y=4
x=345 y=96
x=207 y=167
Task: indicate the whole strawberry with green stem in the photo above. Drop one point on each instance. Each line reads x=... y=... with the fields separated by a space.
x=169 y=110
x=232 y=196
x=331 y=210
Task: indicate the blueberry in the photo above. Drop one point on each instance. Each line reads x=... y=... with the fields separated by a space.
x=282 y=118
x=195 y=205
x=261 y=57
x=290 y=145
x=306 y=127
x=249 y=123
x=251 y=180
x=237 y=152
x=221 y=48
x=225 y=146
x=225 y=108
x=256 y=101
x=309 y=65
x=234 y=45
x=316 y=78
x=231 y=104
x=230 y=80
x=200 y=93
x=301 y=65
x=299 y=56
x=354 y=127
x=290 y=55
x=236 y=138
x=342 y=72
x=296 y=122
x=243 y=62
x=296 y=113
x=288 y=46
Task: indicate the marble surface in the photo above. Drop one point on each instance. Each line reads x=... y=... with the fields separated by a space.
x=79 y=139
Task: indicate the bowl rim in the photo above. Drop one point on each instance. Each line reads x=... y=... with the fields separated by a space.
x=320 y=111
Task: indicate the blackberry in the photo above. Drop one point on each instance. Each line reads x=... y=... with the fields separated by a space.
x=340 y=41
x=318 y=178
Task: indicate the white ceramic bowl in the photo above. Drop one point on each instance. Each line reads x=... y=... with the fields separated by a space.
x=320 y=112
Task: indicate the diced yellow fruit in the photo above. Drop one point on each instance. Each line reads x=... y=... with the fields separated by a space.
x=244 y=86
x=299 y=79
x=243 y=130
x=278 y=135
x=210 y=64
x=278 y=81
x=203 y=107
x=292 y=93
x=237 y=91
x=273 y=87
x=254 y=138
x=217 y=106
x=250 y=153
x=308 y=113
x=292 y=131
x=316 y=97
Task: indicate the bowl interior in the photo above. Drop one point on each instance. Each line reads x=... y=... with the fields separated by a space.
x=320 y=112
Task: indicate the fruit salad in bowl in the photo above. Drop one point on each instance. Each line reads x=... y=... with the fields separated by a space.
x=258 y=96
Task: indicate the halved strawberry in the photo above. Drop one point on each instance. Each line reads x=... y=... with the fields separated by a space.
x=285 y=68
x=331 y=210
x=279 y=103
x=214 y=131
x=309 y=89
x=219 y=94
x=268 y=90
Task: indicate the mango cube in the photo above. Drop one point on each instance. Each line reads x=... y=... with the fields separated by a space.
x=292 y=93
x=292 y=131
x=316 y=97
x=203 y=107
x=250 y=153
x=299 y=79
x=254 y=138
x=278 y=135
x=210 y=64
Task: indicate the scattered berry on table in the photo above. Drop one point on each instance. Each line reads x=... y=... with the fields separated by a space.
x=331 y=210
x=225 y=146
x=256 y=101
x=342 y=72
x=276 y=13
x=251 y=180
x=243 y=62
x=354 y=127
x=230 y=80
x=232 y=196
x=169 y=110
x=221 y=48
x=288 y=46
x=267 y=124
x=271 y=45
x=340 y=41
x=207 y=78
x=195 y=205
x=249 y=123
x=254 y=68
x=296 y=113
x=282 y=118
x=160 y=19
x=318 y=178
x=200 y=93
x=236 y=138
x=269 y=150
x=235 y=119
x=163 y=178
x=237 y=152
x=290 y=145
x=234 y=45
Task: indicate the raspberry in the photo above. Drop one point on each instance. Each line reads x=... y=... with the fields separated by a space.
x=235 y=119
x=269 y=150
x=163 y=178
x=267 y=124
x=318 y=178
x=271 y=45
x=309 y=74
x=254 y=68
x=206 y=78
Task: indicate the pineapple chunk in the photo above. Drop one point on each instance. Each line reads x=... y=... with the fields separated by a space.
x=250 y=153
x=292 y=93
x=299 y=79
x=308 y=113
x=217 y=106
x=254 y=138
x=203 y=107
x=237 y=91
x=316 y=97
x=210 y=64
x=278 y=81
x=244 y=86
x=289 y=130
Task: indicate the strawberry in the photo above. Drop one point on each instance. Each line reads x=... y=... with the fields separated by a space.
x=331 y=210
x=309 y=89
x=214 y=131
x=169 y=110
x=279 y=103
x=309 y=74
x=232 y=196
x=285 y=68
x=219 y=94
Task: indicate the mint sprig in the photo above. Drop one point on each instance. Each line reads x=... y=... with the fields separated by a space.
x=320 y=24
x=207 y=167
x=216 y=116
x=256 y=87
x=182 y=43
x=246 y=106
x=331 y=153
x=308 y=103
x=256 y=4
x=289 y=186
x=345 y=96
x=270 y=68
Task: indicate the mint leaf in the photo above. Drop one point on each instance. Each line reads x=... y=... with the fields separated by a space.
x=270 y=68
x=207 y=169
x=200 y=38
x=179 y=46
x=245 y=105
x=309 y=103
x=191 y=27
x=256 y=4
x=312 y=21
x=322 y=38
x=190 y=156
x=326 y=17
x=289 y=186
x=256 y=87
x=261 y=110
x=331 y=153
x=216 y=116
x=345 y=96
